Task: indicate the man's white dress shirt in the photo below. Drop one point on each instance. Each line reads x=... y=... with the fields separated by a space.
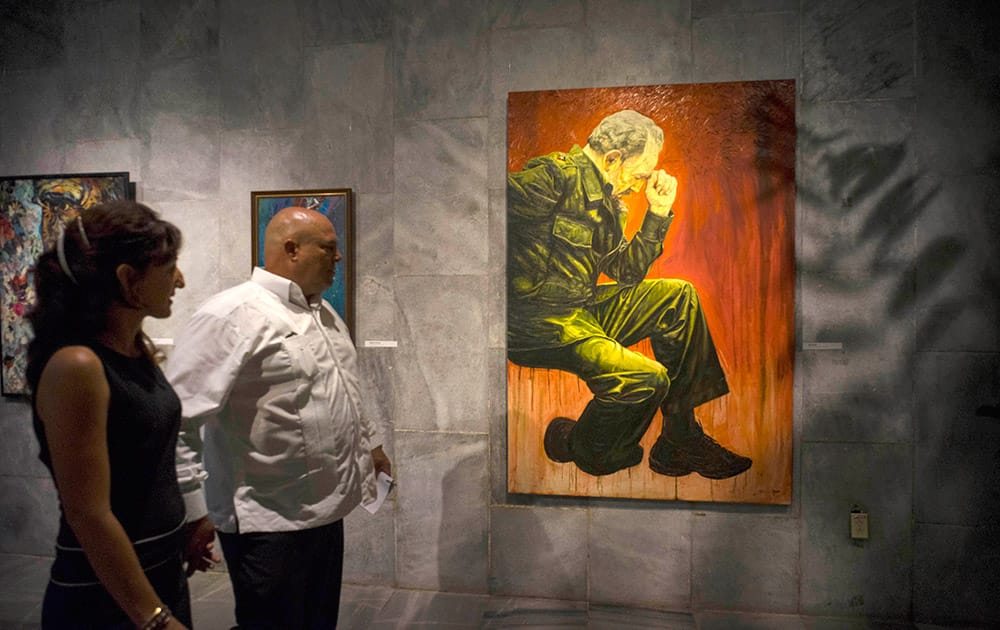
x=270 y=379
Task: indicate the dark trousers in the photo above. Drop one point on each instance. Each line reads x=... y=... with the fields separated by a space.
x=92 y=608
x=288 y=580
x=628 y=386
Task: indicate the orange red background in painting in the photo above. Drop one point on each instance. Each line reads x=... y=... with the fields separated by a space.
x=731 y=147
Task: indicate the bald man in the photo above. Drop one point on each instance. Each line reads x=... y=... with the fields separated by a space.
x=274 y=447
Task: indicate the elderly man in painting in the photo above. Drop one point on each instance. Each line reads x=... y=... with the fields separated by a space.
x=566 y=222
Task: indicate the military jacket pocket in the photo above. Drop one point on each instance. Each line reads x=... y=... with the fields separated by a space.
x=573 y=232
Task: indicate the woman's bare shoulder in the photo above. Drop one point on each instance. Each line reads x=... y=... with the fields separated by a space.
x=76 y=360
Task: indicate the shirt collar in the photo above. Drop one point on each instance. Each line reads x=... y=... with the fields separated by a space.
x=288 y=291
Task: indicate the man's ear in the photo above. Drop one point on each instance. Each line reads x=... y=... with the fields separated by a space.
x=290 y=248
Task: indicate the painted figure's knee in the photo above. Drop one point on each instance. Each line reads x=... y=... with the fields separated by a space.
x=651 y=384
x=659 y=381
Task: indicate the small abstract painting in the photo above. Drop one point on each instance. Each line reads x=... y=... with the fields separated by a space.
x=651 y=292
x=334 y=203
x=32 y=209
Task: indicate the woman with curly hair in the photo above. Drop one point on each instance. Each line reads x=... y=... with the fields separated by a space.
x=107 y=422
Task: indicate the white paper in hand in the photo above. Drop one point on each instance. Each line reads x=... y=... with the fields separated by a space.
x=383 y=485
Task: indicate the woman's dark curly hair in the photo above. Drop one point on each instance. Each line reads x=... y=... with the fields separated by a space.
x=71 y=308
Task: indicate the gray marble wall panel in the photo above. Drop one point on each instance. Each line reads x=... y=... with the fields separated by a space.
x=199 y=260
x=643 y=42
x=180 y=101
x=187 y=87
x=957 y=96
x=31 y=108
x=957 y=479
x=845 y=577
x=853 y=309
x=745 y=562
x=956 y=581
x=31 y=35
x=19 y=448
x=375 y=316
x=104 y=156
x=442 y=220
x=442 y=513
x=251 y=160
x=178 y=29
x=261 y=50
x=376 y=366
x=863 y=415
x=349 y=114
x=858 y=186
x=346 y=21
x=370 y=545
x=958 y=272
x=30 y=516
x=497 y=373
x=715 y=8
x=857 y=50
x=530 y=59
x=951 y=390
x=744 y=47
x=105 y=32
x=497 y=297
x=101 y=53
x=640 y=557
x=538 y=552
x=535 y=13
x=441 y=362
x=181 y=159
x=441 y=58
x=102 y=98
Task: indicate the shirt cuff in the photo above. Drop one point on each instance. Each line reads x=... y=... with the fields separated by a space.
x=194 y=505
x=654 y=227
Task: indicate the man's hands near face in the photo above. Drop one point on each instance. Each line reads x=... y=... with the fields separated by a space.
x=661 y=191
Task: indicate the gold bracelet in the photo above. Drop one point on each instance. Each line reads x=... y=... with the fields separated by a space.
x=159 y=620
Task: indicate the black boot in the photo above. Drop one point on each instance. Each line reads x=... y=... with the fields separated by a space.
x=689 y=450
x=556 y=439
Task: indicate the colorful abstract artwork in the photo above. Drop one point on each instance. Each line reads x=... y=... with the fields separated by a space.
x=651 y=292
x=32 y=209
x=334 y=203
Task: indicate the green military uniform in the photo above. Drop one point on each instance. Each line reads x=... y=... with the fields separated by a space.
x=564 y=229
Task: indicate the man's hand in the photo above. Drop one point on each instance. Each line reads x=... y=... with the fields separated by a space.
x=200 y=542
x=661 y=191
x=381 y=461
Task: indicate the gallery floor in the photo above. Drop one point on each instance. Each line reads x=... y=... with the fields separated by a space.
x=23 y=579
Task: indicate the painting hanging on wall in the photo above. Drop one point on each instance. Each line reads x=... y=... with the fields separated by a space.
x=32 y=210
x=651 y=292
x=334 y=203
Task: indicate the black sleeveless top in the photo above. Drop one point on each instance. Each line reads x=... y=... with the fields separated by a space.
x=143 y=419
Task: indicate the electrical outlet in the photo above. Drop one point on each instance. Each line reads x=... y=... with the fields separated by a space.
x=859 y=525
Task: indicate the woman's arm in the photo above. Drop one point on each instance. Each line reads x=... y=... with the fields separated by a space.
x=72 y=402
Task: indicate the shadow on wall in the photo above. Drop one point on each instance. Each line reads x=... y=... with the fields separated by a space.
x=901 y=303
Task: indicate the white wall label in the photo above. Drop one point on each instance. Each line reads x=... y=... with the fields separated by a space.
x=822 y=345
x=381 y=343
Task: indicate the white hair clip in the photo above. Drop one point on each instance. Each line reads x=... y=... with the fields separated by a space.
x=61 y=247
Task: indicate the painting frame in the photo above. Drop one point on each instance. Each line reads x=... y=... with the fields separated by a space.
x=730 y=149
x=337 y=204
x=30 y=208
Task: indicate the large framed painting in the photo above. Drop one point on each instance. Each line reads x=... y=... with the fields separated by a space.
x=334 y=203
x=32 y=209
x=651 y=292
